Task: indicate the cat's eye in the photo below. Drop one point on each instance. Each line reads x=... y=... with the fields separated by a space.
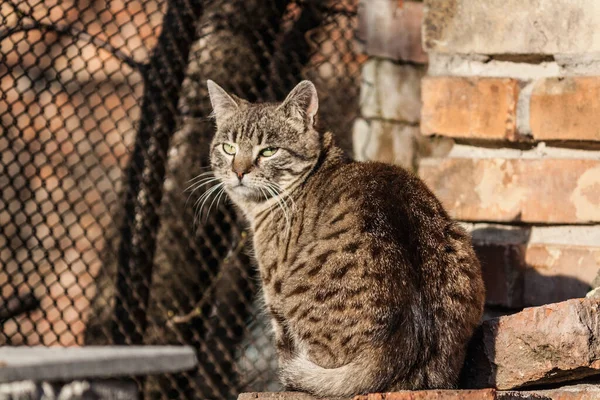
x=269 y=151
x=229 y=149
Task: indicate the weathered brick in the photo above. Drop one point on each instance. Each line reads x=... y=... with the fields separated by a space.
x=545 y=190
x=574 y=392
x=512 y=26
x=542 y=345
x=391 y=29
x=391 y=91
x=387 y=142
x=470 y=107
x=278 y=396
x=395 y=143
x=566 y=109
x=532 y=266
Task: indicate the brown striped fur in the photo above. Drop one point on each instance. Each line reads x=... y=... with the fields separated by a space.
x=369 y=284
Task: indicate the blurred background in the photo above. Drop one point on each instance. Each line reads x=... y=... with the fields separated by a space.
x=104 y=117
x=104 y=122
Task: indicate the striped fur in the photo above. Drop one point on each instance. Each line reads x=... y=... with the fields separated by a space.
x=369 y=284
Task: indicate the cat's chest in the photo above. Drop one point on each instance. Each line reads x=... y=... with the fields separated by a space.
x=276 y=257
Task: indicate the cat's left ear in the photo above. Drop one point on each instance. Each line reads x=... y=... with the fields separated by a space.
x=302 y=102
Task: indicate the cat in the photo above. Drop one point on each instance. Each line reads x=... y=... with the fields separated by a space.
x=369 y=285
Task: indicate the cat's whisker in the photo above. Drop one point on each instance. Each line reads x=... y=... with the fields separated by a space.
x=200 y=176
x=206 y=194
x=282 y=205
x=213 y=191
x=197 y=186
x=283 y=198
x=199 y=183
x=197 y=209
x=217 y=196
x=202 y=200
x=283 y=195
x=266 y=197
x=279 y=204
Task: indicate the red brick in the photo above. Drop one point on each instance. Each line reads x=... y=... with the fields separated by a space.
x=278 y=396
x=391 y=29
x=543 y=345
x=516 y=190
x=484 y=394
x=461 y=107
x=566 y=109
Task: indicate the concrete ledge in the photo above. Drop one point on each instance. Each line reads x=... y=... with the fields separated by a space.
x=64 y=364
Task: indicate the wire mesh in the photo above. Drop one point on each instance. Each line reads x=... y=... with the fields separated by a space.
x=103 y=111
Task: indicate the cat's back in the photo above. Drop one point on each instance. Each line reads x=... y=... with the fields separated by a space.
x=400 y=226
x=383 y=199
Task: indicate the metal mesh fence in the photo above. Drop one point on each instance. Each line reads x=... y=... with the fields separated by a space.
x=103 y=116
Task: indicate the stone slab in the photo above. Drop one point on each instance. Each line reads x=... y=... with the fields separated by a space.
x=63 y=364
x=544 y=345
x=573 y=392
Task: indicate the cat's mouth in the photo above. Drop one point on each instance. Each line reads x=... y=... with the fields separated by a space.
x=247 y=192
x=242 y=189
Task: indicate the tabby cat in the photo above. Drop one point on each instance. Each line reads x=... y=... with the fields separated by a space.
x=369 y=284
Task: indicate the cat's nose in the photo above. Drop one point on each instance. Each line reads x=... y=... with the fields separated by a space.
x=241 y=166
x=240 y=172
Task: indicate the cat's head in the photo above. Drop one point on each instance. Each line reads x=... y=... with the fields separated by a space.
x=261 y=150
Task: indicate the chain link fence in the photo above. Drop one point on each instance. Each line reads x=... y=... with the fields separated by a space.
x=103 y=117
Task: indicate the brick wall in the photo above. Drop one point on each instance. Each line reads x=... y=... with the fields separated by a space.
x=496 y=104
x=389 y=32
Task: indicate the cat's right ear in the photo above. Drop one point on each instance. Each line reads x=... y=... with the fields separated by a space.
x=223 y=104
